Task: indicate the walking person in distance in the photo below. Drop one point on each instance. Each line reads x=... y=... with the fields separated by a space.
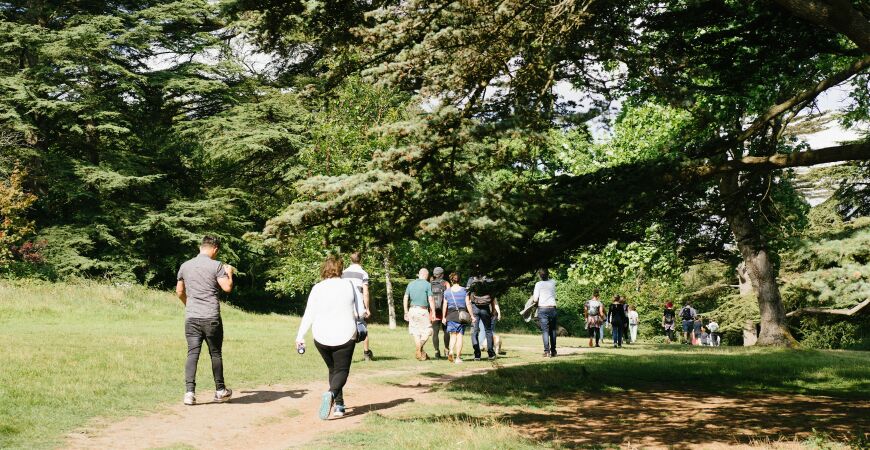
x=456 y=316
x=200 y=280
x=484 y=306
x=360 y=279
x=633 y=322
x=331 y=314
x=545 y=295
x=419 y=311
x=439 y=286
x=669 y=321
x=687 y=316
x=593 y=311
x=617 y=318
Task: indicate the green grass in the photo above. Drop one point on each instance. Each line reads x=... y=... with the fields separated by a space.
x=72 y=352
x=431 y=431
x=723 y=370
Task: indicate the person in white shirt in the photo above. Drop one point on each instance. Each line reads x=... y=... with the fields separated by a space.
x=360 y=279
x=331 y=315
x=633 y=322
x=545 y=295
x=715 y=337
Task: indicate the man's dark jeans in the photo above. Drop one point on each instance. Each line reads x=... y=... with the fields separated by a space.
x=484 y=319
x=547 y=316
x=212 y=332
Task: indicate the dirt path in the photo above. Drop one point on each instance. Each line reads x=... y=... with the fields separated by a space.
x=279 y=417
x=269 y=417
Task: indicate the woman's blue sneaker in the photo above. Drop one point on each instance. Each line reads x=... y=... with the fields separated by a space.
x=325 y=405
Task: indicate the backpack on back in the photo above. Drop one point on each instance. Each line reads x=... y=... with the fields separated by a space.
x=669 y=316
x=438 y=293
x=686 y=313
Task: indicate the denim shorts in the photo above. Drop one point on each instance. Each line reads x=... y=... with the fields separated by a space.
x=688 y=325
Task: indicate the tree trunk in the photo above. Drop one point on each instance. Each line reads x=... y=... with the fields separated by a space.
x=758 y=263
x=391 y=306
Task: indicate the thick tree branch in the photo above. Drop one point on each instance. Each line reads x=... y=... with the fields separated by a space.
x=804 y=96
x=851 y=152
x=838 y=15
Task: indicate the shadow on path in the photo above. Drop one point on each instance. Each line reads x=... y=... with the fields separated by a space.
x=363 y=409
x=267 y=396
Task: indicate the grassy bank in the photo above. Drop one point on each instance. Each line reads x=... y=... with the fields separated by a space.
x=72 y=352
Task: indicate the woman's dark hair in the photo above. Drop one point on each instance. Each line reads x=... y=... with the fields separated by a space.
x=544 y=274
x=332 y=267
x=454 y=277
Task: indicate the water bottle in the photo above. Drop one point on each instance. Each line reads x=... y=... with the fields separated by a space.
x=300 y=348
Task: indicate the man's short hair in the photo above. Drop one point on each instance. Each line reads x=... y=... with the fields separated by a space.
x=355 y=257
x=211 y=241
x=596 y=292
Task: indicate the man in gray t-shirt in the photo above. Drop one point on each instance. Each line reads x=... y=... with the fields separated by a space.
x=200 y=280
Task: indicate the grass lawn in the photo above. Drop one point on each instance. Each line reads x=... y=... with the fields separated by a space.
x=73 y=352
x=553 y=392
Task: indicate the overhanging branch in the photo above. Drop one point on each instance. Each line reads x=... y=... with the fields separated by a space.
x=850 y=152
x=805 y=96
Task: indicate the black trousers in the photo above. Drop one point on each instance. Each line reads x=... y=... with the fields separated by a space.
x=595 y=333
x=212 y=332
x=337 y=359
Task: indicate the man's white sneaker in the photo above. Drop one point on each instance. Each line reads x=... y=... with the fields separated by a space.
x=190 y=399
x=457 y=360
x=338 y=411
x=223 y=395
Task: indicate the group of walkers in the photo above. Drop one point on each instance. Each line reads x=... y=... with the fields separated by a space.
x=696 y=329
x=338 y=306
x=620 y=317
x=433 y=305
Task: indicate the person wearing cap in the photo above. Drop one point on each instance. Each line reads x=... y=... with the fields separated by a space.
x=439 y=286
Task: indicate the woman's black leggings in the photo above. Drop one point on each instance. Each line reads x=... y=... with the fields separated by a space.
x=337 y=359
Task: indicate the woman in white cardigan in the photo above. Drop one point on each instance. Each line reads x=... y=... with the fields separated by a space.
x=330 y=313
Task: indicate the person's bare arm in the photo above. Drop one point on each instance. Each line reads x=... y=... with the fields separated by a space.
x=366 y=300
x=405 y=305
x=431 y=309
x=497 y=309
x=179 y=291
x=469 y=308
x=444 y=311
x=226 y=283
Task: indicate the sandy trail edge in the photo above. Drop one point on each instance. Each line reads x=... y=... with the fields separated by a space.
x=268 y=417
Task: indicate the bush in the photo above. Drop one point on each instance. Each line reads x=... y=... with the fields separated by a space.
x=834 y=333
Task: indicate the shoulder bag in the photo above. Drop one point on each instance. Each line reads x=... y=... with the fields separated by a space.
x=362 y=331
x=459 y=315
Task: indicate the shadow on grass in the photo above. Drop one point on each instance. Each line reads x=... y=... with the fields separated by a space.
x=774 y=371
x=676 y=397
